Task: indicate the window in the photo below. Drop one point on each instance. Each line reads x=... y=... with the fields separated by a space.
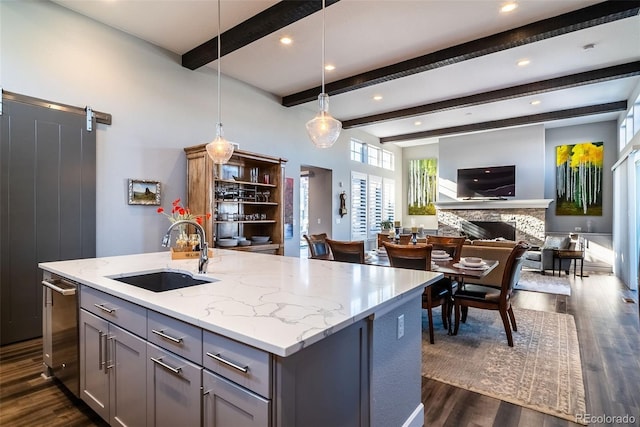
x=358 y=151
x=375 y=156
x=372 y=201
x=388 y=199
x=387 y=160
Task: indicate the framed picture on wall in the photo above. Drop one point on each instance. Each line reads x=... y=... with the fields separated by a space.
x=579 y=179
x=423 y=186
x=144 y=192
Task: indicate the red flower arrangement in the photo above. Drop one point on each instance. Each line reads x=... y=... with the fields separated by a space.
x=179 y=212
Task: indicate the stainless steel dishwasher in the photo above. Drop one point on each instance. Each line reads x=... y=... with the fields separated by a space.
x=60 y=331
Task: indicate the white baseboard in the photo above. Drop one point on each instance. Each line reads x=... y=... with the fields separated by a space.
x=416 y=419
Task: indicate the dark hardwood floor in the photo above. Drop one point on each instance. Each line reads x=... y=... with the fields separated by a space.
x=608 y=332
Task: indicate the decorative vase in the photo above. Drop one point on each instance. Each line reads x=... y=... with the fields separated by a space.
x=182 y=239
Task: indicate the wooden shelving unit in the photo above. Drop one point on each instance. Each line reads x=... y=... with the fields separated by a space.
x=245 y=197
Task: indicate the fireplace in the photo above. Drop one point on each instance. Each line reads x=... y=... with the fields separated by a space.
x=524 y=217
x=475 y=230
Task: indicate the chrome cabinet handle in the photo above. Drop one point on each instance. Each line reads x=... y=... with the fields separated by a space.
x=159 y=361
x=64 y=291
x=100 y=362
x=170 y=338
x=105 y=309
x=108 y=360
x=243 y=369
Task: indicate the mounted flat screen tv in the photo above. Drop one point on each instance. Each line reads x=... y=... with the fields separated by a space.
x=491 y=182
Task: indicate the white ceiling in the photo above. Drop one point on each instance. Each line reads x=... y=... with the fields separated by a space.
x=366 y=34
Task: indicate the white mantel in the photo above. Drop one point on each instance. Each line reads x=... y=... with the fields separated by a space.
x=494 y=204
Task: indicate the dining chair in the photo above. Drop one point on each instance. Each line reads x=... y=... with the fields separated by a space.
x=318 y=247
x=452 y=245
x=489 y=298
x=347 y=251
x=418 y=257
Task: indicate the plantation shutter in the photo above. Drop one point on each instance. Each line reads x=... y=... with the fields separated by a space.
x=388 y=199
x=375 y=205
x=358 y=206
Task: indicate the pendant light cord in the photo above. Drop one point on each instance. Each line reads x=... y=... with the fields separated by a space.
x=219 y=66
x=323 y=11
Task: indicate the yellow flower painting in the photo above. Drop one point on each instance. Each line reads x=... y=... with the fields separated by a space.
x=579 y=179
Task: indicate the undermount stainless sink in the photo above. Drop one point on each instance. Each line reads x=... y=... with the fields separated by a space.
x=161 y=281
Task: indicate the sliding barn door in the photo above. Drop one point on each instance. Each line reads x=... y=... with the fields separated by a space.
x=47 y=206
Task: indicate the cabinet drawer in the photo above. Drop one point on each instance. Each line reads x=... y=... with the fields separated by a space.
x=175 y=335
x=125 y=314
x=242 y=364
x=227 y=404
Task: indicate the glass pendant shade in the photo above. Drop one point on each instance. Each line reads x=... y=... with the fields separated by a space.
x=220 y=150
x=323 y=129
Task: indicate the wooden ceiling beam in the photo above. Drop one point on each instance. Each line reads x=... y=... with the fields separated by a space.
x=565 y=82
x=570 y=113
x=264 y=23
x=601 y=13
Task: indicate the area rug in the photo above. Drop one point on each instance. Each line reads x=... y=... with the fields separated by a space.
x=542 y=371
x=537 y=282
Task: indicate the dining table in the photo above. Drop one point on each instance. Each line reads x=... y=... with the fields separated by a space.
x=452 y=269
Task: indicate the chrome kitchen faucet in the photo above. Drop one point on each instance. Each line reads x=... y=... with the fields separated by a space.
x=204 y=246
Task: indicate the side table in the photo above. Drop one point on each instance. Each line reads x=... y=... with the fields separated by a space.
x=561 y=254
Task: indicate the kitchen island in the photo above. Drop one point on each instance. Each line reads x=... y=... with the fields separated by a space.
x=333 y=343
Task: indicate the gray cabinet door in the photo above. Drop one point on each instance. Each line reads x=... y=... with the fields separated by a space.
x=94 y=377
x=173 y=389
x=226 y=404
x=48 y=208
x=127 y=385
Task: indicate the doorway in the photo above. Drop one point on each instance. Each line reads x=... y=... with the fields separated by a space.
x=315 y=203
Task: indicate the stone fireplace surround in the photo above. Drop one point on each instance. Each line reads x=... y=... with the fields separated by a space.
x=527 y=215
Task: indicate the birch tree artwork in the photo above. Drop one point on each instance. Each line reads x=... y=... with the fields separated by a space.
x=579 y=179
x=423 y=186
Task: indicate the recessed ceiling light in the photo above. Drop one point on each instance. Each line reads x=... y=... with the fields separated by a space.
x=508 y=7
x=286 y=40
x=329 y=67
x=417 y=123
x=523 y=62
x=536 y=102
x=377 y=97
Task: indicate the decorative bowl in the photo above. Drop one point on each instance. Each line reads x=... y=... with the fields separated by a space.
x=472 y=261
x=260 y=239
x=244 y=242
x=227 y=243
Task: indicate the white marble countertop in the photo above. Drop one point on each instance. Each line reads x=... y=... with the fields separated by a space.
x=275 y=303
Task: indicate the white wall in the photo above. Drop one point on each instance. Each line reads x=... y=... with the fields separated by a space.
x=158 y=108
x=522 y=146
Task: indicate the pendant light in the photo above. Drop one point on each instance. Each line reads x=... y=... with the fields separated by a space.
x=220 y=150
x=323 y=129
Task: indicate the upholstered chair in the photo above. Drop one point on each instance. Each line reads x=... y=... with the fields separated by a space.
x=542 y=259
x=490 y=298
x=318 y=247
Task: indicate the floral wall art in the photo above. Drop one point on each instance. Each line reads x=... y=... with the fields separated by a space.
x=423 y=186
x=579 y=179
